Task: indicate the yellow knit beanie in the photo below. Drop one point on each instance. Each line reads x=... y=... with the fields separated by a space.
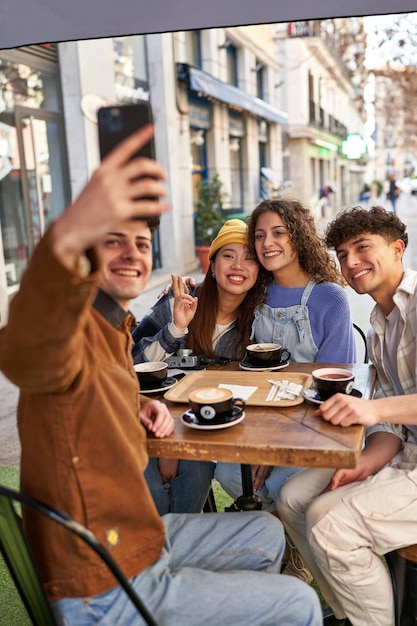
x=232 y=231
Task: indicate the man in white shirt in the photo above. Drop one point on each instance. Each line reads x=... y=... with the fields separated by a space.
x=342 y=522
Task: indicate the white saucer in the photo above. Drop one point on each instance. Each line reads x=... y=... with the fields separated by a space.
x=188 y=418
x=245 y=365
x=167 y=384
x=311 y=395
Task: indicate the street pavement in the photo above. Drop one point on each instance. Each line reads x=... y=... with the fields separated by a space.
x=360 y=305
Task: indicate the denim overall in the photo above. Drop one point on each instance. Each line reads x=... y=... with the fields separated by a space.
x=289 y=326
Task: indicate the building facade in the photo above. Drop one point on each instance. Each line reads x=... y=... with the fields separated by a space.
x=214 y=110
x=395 y=127
x=266 y=107
x=325 y=110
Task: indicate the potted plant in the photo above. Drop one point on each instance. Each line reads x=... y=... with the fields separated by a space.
x=208 y=216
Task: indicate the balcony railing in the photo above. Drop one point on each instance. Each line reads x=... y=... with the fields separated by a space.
x=309 y=28
x=320 y=119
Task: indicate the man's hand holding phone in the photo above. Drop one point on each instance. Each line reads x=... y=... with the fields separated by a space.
x=124 y=186
x=116 y=123
x=137 y=178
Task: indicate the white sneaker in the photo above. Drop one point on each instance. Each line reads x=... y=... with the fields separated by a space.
x=295 y=565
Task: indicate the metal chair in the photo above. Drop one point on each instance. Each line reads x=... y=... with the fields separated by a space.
x=402 y=565
x=210 y=503
x=18 y=558
x=363 y=337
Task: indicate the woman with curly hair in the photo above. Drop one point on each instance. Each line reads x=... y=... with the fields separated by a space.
x=306 y=310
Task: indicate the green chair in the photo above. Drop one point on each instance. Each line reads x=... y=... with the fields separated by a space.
x=18 y=558
x=19 y=561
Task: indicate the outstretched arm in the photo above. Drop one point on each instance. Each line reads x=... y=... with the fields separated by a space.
x=345 y=410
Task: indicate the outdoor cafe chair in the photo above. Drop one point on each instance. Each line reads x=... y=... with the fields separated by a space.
x=402 y=565
x=18 y=558
x=362 y=341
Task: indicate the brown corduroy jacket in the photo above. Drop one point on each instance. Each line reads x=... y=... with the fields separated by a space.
x=83 y=447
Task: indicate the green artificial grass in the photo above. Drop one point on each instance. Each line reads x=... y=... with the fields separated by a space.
x=9 y=477
x=12 y=611
x=221 y=497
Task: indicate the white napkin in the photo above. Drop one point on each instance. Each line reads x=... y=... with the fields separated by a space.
x=288 y=390
x=239 y=391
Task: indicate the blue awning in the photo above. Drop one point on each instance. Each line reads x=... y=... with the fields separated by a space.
x=208 y=85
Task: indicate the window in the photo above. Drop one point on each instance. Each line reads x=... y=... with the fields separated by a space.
x=311 y=99
x=260 y=73
x=27 y=86
x=231 y=52
x=130 y=69
x=34 y=185
x=193 y=47
x=199 y=159
x=236 y=174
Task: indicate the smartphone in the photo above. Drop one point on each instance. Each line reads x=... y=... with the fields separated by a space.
x=116 y=123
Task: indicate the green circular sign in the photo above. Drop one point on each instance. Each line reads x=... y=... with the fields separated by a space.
x=353 y=146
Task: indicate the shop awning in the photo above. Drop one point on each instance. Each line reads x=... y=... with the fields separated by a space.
x=207 y=85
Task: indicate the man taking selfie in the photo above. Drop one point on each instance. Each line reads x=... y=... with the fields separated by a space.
x=82 y=426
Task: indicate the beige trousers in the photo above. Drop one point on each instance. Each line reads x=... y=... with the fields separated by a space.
x=342 y=534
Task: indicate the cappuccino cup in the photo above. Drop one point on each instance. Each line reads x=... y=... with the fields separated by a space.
x=213 y=405
x=151 y=374
x=267 y=354
x=331 y=380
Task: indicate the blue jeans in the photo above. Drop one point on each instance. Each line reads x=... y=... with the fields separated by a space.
x=219 y=568
x=229 y=476
x=187 y=492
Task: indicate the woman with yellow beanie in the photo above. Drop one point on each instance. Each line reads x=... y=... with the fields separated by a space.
x=215 y=319
x=220 y=325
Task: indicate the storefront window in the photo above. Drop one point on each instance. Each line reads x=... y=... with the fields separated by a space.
x=130 y=72
x=23 y=85
x=34 y=186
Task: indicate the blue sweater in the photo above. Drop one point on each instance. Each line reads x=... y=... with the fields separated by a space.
x=330 y=319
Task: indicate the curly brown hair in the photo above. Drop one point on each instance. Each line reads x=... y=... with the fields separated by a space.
x=354 y=221
x=313 y=256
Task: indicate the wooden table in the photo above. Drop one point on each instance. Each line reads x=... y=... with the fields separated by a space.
x=292 y=436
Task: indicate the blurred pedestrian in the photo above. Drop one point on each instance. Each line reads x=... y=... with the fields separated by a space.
x=393 y=192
